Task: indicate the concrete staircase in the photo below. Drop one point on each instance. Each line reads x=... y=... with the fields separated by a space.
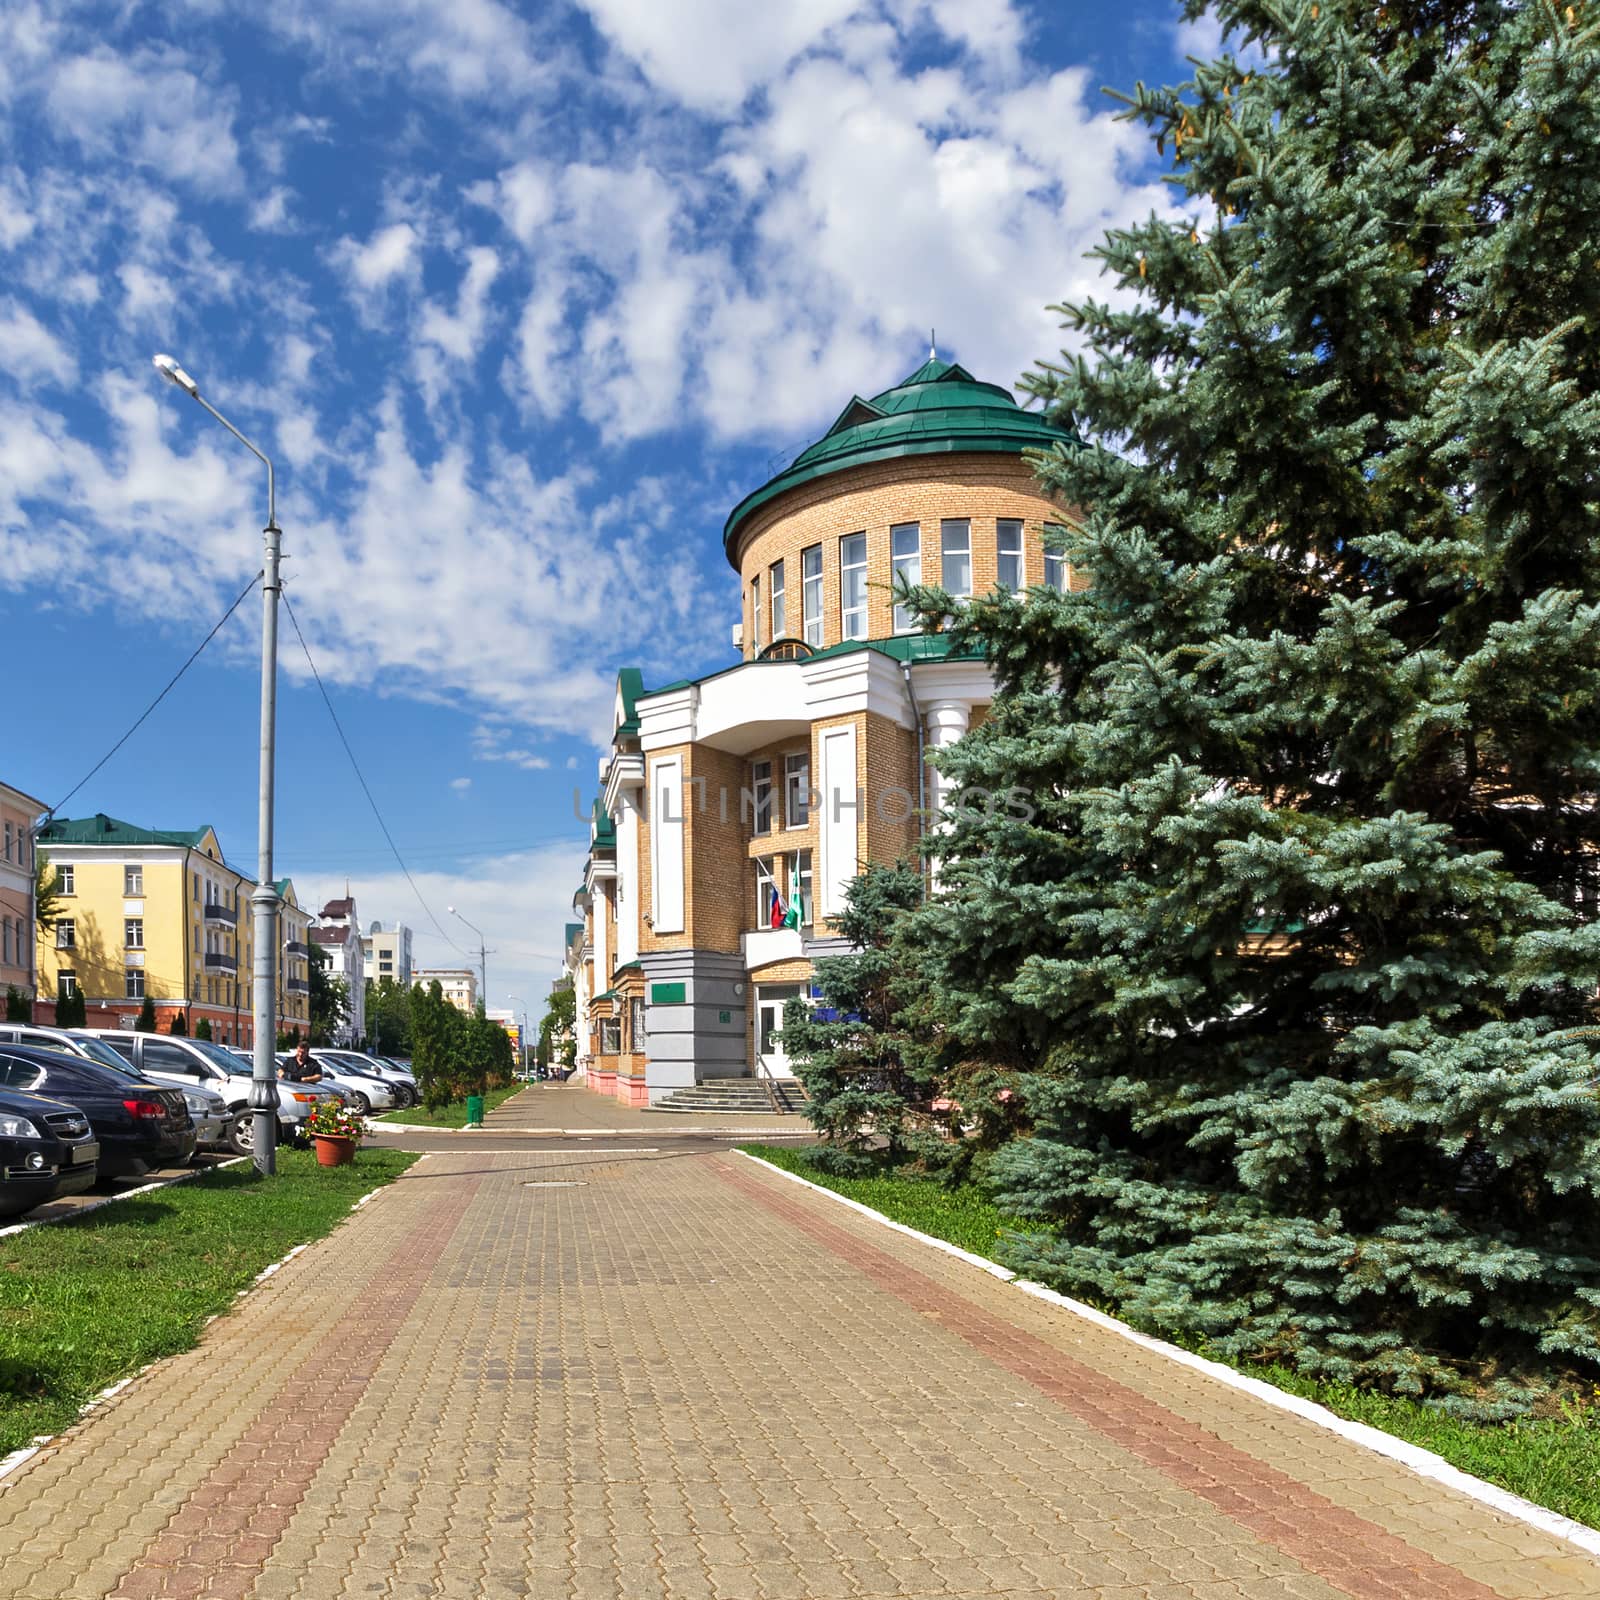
x=745 y=1097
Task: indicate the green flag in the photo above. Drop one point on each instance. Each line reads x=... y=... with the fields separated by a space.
x=796 y=913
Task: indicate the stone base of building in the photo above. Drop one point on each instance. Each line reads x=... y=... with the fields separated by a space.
x=695 y=1019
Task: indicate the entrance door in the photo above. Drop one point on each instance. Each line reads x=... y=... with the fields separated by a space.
x=771 y=998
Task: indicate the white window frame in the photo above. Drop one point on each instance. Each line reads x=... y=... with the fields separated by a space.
x=755 y=615
x=775 y=601
x=811 y=595
x=761 y=810
x=5 y=943
x=1010 y=528
x=67 y=933
x=852 y=617
x=133 y=883
x=948 y=529
x=1057 y=574
x=907 y=564
x=66 y=880
x=66 y=985
x=797 y=794
x=133 y=983
x=133 y=933
x=8 y=841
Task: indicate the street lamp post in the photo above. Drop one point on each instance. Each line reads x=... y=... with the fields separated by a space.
x=264 y=898
x=483 y=957
x=517 y=999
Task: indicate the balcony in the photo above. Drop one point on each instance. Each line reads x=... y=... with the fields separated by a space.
x=225 y=915
x=295 y=947
x=297 y=985
x=217 y=962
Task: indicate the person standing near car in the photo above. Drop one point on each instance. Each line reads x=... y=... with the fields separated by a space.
x=300 y=1068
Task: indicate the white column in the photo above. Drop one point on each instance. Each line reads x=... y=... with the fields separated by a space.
x=947 y=722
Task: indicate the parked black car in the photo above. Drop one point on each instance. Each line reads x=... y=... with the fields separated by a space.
x=46 y=1150
x=140 y=1125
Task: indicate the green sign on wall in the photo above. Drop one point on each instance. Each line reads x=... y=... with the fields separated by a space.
x=668 y=994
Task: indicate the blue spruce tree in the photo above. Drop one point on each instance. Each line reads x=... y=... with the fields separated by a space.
x=1296 y=959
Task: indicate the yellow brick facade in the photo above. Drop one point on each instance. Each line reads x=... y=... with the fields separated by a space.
x=982 y=489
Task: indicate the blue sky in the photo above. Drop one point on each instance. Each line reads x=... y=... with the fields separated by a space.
x=522 y=300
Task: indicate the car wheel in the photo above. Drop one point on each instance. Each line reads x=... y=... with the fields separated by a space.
x=361 y=1102
x=241 y=1137
x=404 y=1096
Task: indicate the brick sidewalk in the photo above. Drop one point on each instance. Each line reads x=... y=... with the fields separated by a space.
x=620 y=1376
x=569 y=1106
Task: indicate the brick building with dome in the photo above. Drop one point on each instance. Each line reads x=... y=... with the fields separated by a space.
x=734 y=809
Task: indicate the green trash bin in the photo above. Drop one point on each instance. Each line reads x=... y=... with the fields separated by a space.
x=474 y=1108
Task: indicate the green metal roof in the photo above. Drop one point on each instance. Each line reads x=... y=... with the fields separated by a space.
x=101 y=829
x=605 y=830
x=901 y=647
x=630 y=685
x=940 y=409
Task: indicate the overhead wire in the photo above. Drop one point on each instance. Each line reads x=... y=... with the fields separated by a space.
x=355 y=765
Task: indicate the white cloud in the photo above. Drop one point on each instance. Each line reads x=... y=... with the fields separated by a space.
x=149 y=108
x=29 y=351
x=271 y=212
x=461 y=785
x=389 y=254
x=714 y=54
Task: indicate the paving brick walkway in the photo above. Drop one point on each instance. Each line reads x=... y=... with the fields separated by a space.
x=570 y=1106
x=642 y=1376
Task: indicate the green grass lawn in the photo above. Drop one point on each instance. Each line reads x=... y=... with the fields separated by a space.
x=1554 y=1462
x=453 y=1115
x=85 y=1303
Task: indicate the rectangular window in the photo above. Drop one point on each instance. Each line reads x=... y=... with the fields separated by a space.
x=755 y=616
x=66 y=880
x=905 y=552
x=611 y=1036
x=133 y=983
x=1055 y=557
x=761 y=796
x=811 y=593
x=66 y=985
x=769 y=900
x=5 y=942
x=133 y=933
x=1008 y=555
x=8 y=841
x=955 y=552
x=797 y=789
x=197 y=887
x=66 y=934
x=133 y=882
x=775 y=595
x=804 y=859
x=636 y=1026
x=853 y=586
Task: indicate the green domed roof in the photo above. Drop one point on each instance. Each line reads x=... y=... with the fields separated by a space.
x=940 y=409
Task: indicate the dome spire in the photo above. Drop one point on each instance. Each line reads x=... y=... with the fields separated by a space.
x=933 y=348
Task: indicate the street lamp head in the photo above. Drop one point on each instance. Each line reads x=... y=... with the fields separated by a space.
x=173 y=373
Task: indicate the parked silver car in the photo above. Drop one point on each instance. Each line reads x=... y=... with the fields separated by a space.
x=362 y=1091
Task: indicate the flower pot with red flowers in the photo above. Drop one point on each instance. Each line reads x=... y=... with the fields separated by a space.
x=335 y=1132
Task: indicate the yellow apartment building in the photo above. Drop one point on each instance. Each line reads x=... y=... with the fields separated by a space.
x=160 y=913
